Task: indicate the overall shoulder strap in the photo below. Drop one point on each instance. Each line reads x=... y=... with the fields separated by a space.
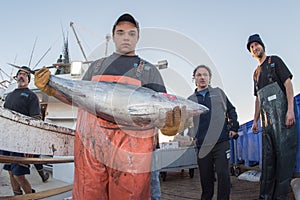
x=271 y=70
x=99 y=63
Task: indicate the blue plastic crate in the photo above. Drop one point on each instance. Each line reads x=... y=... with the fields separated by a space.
x=248 y=147
x=254 y=145
x=297 y=115
x=237 y=152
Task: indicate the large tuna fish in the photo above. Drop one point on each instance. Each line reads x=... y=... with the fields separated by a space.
x=122 y=103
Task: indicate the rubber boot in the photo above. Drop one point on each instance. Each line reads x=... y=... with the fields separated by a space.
x=43 y=175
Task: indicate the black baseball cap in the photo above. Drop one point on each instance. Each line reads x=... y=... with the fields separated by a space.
x=25 y=69
x=126 y=18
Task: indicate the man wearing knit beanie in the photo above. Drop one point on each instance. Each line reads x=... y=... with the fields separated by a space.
x=275 y=105
x=255 y=38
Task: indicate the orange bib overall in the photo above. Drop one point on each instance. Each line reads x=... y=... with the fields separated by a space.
x=111 y=162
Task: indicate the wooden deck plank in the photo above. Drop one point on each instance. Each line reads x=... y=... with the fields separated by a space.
x=40 y=195
x=25 y=160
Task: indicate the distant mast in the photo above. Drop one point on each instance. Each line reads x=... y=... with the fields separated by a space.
x=65 y=52
x=107 y=38
x=63 y=62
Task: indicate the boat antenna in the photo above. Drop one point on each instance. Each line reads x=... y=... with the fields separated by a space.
x=3 y=82
x=72 y=26
x=62 y=30
x=15 y=58
x=1 y=70
x=42 y=57
x=20 y=68
x=107 y=37
x=1 y=75
x=66 y=50
x=12 y=69
x=32 y=52
x=33 y=71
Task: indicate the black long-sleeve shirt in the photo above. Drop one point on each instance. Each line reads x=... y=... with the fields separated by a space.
x=213 y=127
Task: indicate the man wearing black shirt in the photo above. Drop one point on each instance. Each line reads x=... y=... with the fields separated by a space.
x=26 y=102
x=275 y=104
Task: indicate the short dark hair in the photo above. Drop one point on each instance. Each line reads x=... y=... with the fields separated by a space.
x=205 y=67
x=126 y=18
x=202 y=66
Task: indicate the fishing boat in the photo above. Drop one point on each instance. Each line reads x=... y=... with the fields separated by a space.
x=48 y=139
x=52 y=137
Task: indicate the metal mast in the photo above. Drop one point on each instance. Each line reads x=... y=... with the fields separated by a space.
x=72 y=25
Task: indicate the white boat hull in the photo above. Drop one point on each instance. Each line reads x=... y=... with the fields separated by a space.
x=19 y=133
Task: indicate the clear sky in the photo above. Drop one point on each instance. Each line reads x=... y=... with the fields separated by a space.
x=196 y=32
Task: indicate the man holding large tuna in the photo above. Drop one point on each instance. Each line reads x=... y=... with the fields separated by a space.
x=113 y=161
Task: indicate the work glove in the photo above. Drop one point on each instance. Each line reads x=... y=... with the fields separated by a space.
x=176 y=121
x=41 y=79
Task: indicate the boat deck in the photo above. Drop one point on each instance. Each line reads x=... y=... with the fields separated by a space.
x=177 y=185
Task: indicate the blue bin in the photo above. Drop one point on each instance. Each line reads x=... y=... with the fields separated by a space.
x=249 y=146
x=254 y=146
x=236 y=148
x=232 y=153
x=297 y=115
x=242 y=154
